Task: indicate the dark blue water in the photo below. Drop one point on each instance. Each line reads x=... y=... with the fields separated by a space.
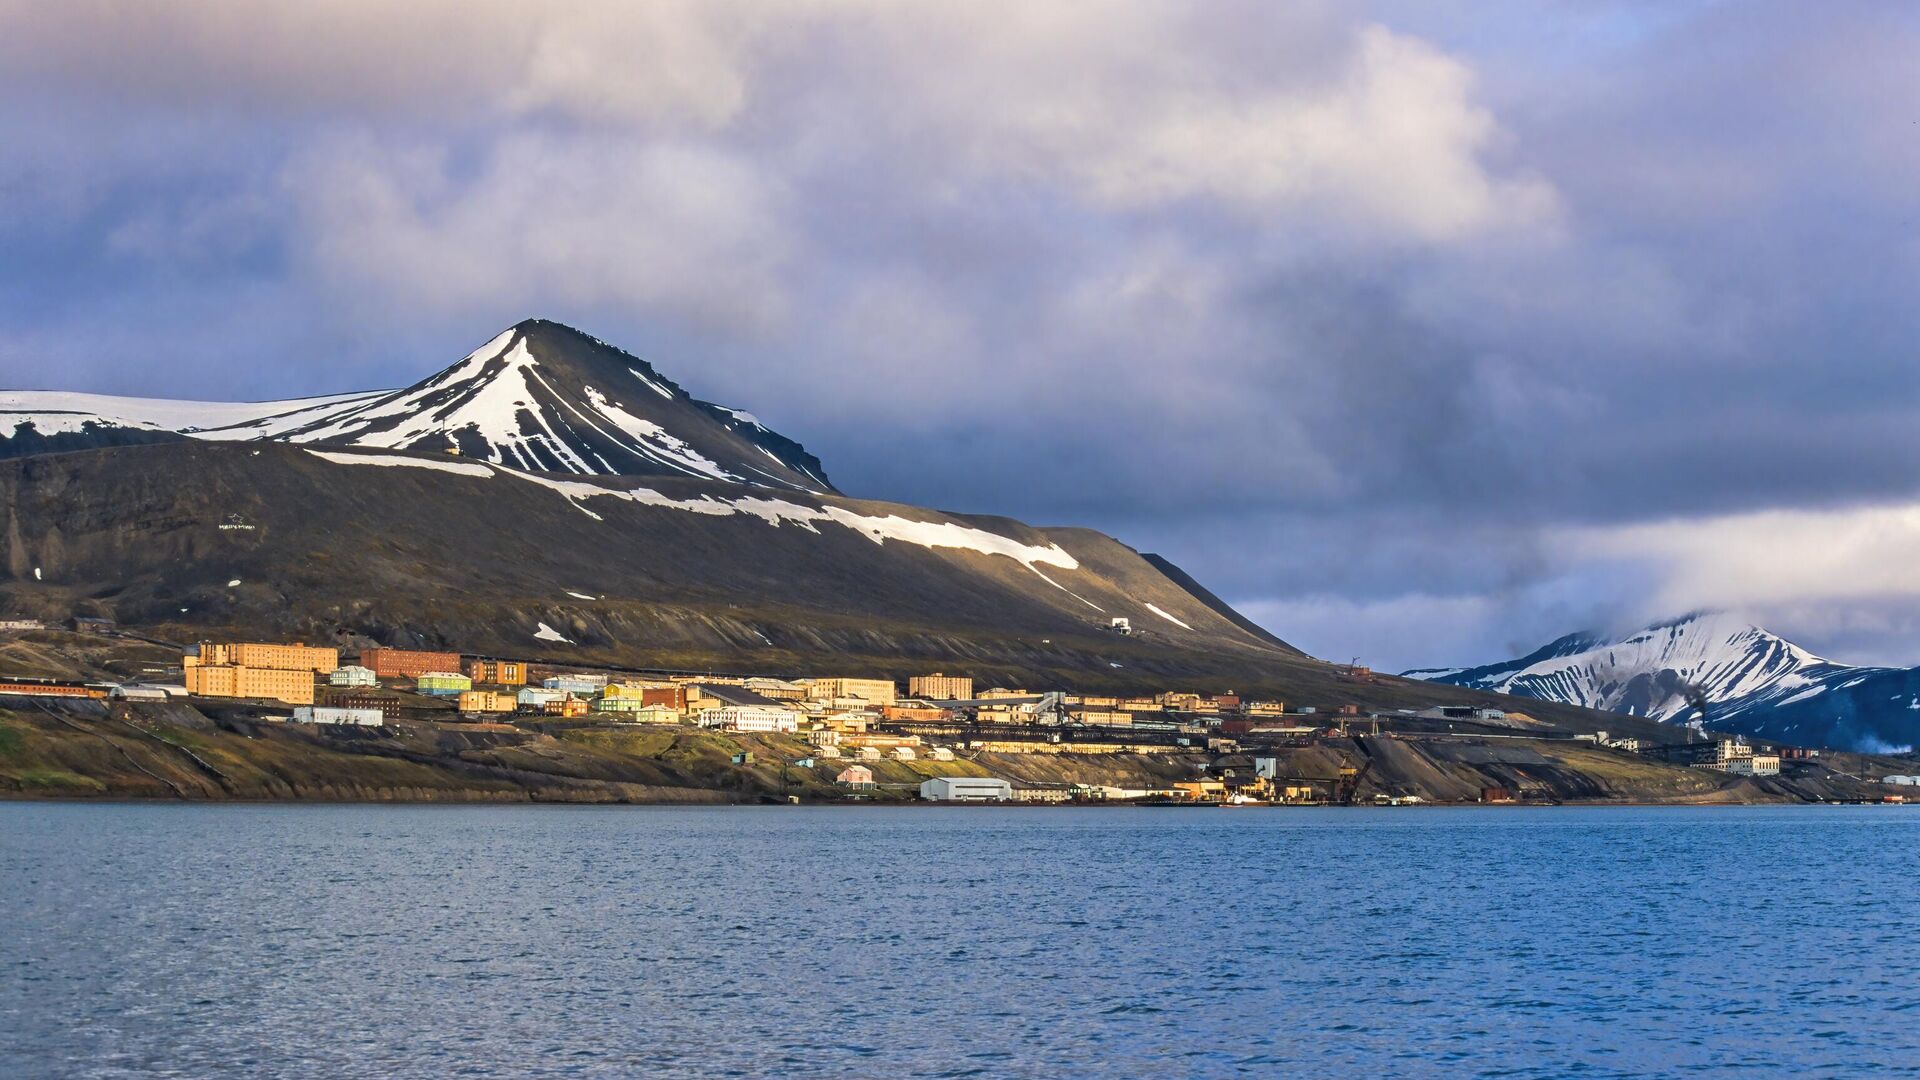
x=203 y=941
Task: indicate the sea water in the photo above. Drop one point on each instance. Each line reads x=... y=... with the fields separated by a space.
x=391 y=941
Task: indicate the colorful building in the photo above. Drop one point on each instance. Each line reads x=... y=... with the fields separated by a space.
x=258 y=654
x=407 y=663
x=497 y=672
x=856 y=777
x=442 y=684
x=484 y=701
x=941 y=687
x=257 y=670
x=872 y=691
x=353 y=675
x=750 y=718
x=568 y=706
x=576 y=684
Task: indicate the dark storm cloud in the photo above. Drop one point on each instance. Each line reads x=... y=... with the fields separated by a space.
x=1383 y=322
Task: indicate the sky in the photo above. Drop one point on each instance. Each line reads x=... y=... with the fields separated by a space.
x=1422 y=332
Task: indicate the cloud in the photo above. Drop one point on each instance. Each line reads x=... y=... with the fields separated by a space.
x=1381 y=317
x=665 y=61
x=1769 y=557
x=575 y=222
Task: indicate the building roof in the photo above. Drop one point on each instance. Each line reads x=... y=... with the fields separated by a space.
x=739 y=695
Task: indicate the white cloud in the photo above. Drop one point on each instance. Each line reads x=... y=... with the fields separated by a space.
x=542 y=220
x=1773 y=557
x=678 y=61
x=1269 y=112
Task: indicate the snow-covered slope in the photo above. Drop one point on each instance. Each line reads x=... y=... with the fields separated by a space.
x=56 y=412
x=538 y=396
x=1754 y=682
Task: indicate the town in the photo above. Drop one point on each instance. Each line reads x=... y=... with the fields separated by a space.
x=845 y=724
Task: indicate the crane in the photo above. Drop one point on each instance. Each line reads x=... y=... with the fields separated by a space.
x=1345 y=788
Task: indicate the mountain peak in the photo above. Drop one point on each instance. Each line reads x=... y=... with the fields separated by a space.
x=540 y=396
x=546 y=397
x=1655 y=671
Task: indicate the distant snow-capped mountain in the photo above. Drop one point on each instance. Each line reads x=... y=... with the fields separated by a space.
x=1755 y=683
x=539 y=396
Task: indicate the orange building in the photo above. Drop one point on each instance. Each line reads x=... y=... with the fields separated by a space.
x=232 y=680
x=567 y=706
x=407 y=663
x=257 y=670
x=673 y=697
x=907 y=712
x=256 y=654
x=498 y=672
x=941 y=687
x=487 y=701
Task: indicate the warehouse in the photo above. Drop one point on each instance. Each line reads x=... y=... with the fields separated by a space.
x=331 y=714
x=966 y=789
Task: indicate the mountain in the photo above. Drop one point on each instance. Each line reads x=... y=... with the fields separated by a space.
x=538 y=396
x=313 y=542
x=554 y=498
x=1756 y=683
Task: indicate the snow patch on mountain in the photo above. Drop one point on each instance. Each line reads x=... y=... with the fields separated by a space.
x=1175 y=620
x=397 y=461
x=538 y=397
x=1753 y=682
x=774 y=512
x=1651 y=672
x=52 y=412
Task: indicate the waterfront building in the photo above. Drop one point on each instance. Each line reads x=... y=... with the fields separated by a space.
x=966 y=789
x=856 y=777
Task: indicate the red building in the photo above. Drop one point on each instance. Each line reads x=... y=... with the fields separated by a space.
x=407 y=663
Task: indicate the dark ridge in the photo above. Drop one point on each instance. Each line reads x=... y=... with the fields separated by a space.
x=1220 y=607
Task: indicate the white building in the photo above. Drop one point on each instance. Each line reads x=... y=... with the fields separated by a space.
x=330 y=714
x=584 y=685
x=353 y=675
x=750 y=718
x=536 y=697
x=138 y=692
x=966 y=789
x=902 y=753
